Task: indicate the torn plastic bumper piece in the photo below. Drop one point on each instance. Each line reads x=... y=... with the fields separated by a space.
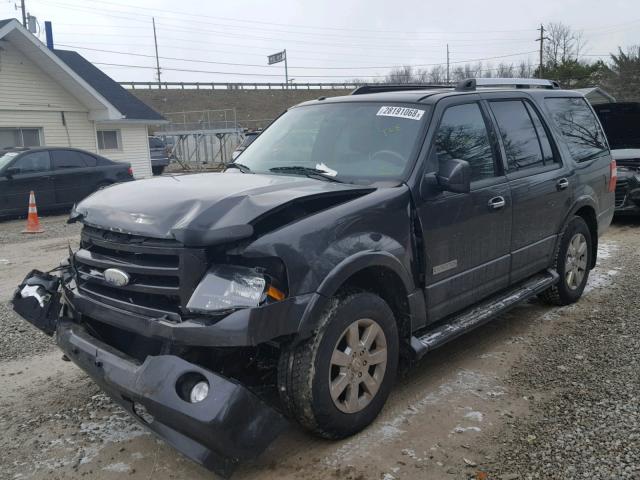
x=230 y=425
x=37 y=300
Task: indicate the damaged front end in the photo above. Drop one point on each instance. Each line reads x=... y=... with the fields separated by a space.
x=213 y=419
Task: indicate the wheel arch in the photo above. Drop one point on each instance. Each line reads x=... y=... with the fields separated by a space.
x=377 y=272
x=585 y=208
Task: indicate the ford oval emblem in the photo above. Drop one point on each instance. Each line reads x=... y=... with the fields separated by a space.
x=116 y=277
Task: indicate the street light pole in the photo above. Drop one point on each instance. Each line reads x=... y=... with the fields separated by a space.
x=286 y=68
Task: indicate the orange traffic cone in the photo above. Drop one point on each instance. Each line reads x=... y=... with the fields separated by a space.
x=33 y=224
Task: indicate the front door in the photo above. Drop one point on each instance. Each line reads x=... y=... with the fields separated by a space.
x=34 y=174
x=466 y=235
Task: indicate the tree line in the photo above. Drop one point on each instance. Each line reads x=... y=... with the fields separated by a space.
x=563 y=60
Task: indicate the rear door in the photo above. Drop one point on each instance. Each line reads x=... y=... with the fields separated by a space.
x=540 y=184
x=35 y=174
x=72 y=177
x=466 y=235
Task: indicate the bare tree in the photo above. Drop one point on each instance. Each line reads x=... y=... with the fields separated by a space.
x=404 y=74
x=562 y=45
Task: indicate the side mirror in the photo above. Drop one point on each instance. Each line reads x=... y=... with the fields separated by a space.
x=10 y=172
x=454 y=176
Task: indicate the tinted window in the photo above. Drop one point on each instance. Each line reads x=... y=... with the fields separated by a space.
x=67 y=159
x=89 y=160
x=545 y=143
x=463 y=135
x=579 y=126
x=155 y=143
x=33 y=162
x=518 y=135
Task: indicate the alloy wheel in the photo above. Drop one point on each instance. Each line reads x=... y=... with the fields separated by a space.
x=358 y=365
x=575 y=266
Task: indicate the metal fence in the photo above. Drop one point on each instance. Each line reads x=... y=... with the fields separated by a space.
x=237 y=86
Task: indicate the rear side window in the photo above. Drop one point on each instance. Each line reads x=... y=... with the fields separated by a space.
x=67 y=159
x=579 y=126
x=463 y=135
x=89 y=160
x=518 y=135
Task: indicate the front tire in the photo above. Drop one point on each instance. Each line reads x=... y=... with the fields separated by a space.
x=572 y=262
x=336 y=382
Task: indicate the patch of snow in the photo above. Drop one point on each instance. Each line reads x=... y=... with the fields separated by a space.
x=466 y=382
x=388 y=476
x=117 y=467
x=461 y=429
x=475 y=416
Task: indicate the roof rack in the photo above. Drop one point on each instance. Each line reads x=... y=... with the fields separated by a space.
x=387 y=87
x=471 y=84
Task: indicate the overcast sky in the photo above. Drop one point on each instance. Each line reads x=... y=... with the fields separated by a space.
x=330 y=40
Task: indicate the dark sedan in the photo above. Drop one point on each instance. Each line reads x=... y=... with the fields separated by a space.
x=59 y=177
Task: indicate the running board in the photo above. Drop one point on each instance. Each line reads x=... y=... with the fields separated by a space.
x=481 y=313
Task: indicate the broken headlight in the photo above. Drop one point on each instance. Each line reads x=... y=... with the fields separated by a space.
x=226 y=287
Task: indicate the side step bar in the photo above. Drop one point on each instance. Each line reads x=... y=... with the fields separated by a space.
x=481 y=313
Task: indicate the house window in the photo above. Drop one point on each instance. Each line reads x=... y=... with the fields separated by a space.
x=20 y=137
x=109 y=140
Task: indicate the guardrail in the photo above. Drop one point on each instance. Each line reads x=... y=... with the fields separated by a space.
x=237 y=86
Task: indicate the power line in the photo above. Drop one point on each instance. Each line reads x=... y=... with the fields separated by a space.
x=300 y=76
x=297 y=67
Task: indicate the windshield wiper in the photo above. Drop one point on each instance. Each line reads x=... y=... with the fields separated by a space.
x=306 y=171
x=239 y=166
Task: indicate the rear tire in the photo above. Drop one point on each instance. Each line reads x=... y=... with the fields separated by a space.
x=157 y=170
x=336 y=382
x=572 y=262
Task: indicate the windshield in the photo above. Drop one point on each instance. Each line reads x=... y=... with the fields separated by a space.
x=349 y=141
x=6 y=158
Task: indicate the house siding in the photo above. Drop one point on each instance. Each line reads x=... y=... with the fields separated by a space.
x=78 y=133
x=31 y=98
x=25 y=86
x=134 y=148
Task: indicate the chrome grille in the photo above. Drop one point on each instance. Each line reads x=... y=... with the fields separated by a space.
x=162 y=273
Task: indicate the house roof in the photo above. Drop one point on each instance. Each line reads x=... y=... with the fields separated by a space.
x=106 y=99
x=129 y=105
x=596 y=95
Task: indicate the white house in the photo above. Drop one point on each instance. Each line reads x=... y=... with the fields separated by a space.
x=58 y=98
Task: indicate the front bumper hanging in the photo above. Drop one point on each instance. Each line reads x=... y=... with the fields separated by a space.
x=229 y=426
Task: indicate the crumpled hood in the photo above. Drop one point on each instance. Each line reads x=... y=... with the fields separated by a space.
x=201 y=209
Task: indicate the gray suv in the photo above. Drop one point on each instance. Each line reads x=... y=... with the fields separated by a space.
x=354 y=234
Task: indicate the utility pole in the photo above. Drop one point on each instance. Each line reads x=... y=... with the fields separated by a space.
x=155 y=41
x=447 y=64
x=541 y=40
x=24 y=14
x=286 y=68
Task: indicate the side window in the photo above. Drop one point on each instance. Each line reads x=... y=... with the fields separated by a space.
x=579 y=127
x=89 y=160
x=33 y=162
x=518 y=135
x=463 y=135
x=547 y=151
x=63 y=159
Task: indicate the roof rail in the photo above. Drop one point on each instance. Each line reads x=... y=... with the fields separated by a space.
x=388 y=87
x=471 y=84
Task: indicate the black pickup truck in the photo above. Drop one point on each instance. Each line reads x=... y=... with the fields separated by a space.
x=357 y=232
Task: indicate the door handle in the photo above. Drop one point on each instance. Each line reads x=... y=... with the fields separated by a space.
x=497 y=203
x=562 y=184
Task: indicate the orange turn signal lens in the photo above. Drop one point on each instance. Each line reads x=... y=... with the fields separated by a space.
x=274 y=293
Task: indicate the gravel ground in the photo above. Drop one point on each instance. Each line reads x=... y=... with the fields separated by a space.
x=18 y=339
x=55 y=226
x=539 y=393
x=583 y=383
